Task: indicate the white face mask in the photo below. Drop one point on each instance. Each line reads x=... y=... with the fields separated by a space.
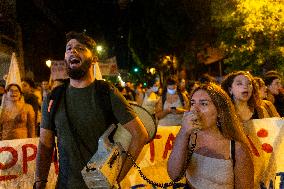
x=155 y=89
x=171 y=91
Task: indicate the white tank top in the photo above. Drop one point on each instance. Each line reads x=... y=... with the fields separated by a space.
x=206 y=172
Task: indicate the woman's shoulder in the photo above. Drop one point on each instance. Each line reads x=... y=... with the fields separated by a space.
x=28 y=107
x=268 y=109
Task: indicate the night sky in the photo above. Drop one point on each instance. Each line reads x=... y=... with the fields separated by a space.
x=44 y=24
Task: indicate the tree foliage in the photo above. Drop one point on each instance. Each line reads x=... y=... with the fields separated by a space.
x=160 y=28
x=251 y=32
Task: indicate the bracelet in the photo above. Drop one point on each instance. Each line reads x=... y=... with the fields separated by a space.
x=41 y=181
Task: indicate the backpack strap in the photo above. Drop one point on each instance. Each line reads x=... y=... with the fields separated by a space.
x=233 y=155
x=233 y=152
x=102 y=95
x=54 y=101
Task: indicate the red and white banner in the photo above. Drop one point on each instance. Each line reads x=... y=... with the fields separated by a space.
x=17 y=164
x=266 y=137
x=17 y=158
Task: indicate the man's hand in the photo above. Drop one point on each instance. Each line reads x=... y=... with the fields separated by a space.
x=39 y=185
x=138 y=140
x=44 y=157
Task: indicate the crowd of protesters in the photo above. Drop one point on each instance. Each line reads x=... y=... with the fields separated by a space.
x=260 y=97
x=216 y=110
x=254 y=97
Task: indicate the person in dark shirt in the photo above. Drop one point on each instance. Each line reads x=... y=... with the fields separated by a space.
x=30 y=98
x=86 y=116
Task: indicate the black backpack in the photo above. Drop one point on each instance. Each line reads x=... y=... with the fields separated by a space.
x=102 y=93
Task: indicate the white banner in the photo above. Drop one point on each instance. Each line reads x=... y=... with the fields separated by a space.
x=17 y=164
x=17 y=158
x=267 y=146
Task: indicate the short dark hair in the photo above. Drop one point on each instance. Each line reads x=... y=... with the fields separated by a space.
x=268 y=79
x=82 y=38
x=172 y=81
x=206 y=78
x=16 y=85
x=272 y=72
x=151 y=82
x=30 y=82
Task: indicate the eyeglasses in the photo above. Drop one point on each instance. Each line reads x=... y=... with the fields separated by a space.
x=14 y=91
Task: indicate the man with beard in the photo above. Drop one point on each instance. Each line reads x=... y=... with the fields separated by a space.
x=81 y=110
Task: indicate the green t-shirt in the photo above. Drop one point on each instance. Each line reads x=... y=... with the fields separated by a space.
x=88 y=119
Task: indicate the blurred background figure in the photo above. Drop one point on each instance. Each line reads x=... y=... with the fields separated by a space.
x=139 y=94
x=182 y=87
x=275 y=91
x=171 y=105
x=205 y=78
x=151 y=96
x=17 y=117
x=160 y=91
x=31 y=98
x=129 y=86
x=45 y=87
x=268 y=106
x=126 y=93
x=2 y=91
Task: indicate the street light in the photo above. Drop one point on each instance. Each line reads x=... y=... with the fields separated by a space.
x=99 y=48
x=152 y=71
x=48 y=63
x=135 y=69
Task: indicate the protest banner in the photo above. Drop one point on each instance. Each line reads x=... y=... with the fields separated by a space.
x=17 y=164
x=17 y=158
x=266 y=137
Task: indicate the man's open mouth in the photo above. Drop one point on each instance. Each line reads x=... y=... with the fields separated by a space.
x=74 y=60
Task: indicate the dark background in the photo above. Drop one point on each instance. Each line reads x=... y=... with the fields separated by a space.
x=44 y=24
x=138 y=32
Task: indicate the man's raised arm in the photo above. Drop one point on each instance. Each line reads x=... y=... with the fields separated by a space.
x=138 y=140
x=44 y=157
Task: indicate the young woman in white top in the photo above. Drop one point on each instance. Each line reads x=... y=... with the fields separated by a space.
x=220 y=159
x=171 y=105
x=151 y=97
